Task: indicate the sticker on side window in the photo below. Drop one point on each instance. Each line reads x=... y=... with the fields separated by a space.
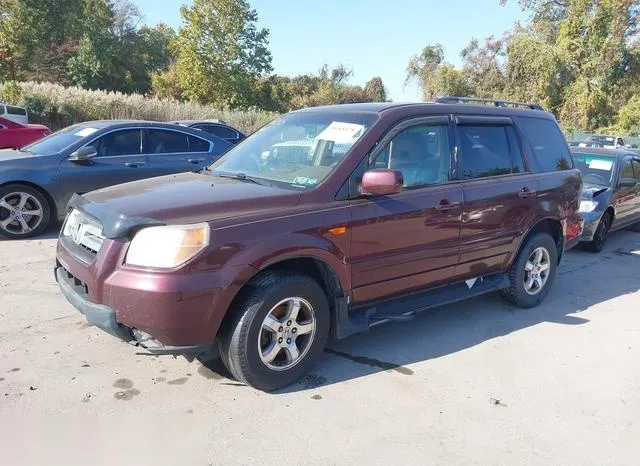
x=340 y=132
x=85 y=132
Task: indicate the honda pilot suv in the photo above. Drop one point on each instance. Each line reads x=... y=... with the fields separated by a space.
x=265 y=257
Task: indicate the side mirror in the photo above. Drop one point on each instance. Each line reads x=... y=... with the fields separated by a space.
x=381 y=182
x=84 y=153
x=627 y=183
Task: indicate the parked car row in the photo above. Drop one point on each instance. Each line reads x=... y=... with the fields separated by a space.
x=324 y=223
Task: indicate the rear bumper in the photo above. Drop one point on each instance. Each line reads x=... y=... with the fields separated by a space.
x=573 y=227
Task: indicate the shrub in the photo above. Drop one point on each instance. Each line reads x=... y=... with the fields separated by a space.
x=59 y=106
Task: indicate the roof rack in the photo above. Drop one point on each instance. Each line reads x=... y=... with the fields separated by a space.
x=450 y=99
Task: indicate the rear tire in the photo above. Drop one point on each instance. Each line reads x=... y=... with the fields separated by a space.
x=533 y=271
x=600 y=235
x=265 y=342
x=16 y=202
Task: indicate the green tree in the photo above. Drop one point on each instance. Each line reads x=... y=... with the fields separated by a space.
x=220 y=52
x=374 y=90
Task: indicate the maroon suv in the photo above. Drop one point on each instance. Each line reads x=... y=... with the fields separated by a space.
x=323 y=223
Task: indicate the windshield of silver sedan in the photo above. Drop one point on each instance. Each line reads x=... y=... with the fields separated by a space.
x=297 y=150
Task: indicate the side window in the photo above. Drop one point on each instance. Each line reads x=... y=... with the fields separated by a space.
x=198 y=145
x=627 y=170
x=16 y=110
x=160 y=141
x=123 y=142
x=636 y=168
x=620 y=142
x=483 y=151
x=420 y=152
x=223 y=132
x=550 y=151
x=517 y=162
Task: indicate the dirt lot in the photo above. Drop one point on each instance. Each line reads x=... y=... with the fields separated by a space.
x=473 y=383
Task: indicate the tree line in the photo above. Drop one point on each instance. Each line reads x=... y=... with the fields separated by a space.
x=218 y=57
x=578 y=58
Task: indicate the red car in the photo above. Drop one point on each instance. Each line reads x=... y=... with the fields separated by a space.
x=16 y=135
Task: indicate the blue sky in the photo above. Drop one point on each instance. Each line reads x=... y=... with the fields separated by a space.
x=373 y=37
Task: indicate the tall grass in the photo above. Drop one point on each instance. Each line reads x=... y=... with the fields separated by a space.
x=58 y=106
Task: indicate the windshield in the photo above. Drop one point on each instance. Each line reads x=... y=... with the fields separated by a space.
x=59 y=140
x=596 y=169
x=298 y=150
x=604 y=140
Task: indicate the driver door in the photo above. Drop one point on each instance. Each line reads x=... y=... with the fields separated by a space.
x=118 y=160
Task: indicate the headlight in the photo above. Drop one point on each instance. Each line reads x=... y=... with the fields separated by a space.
x=587 y=206
x=167 y=246
x=71 y=223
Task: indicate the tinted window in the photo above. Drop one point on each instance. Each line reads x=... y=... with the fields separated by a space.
x=483 y=151
x=16 y=110
x=222 y=132
x=636 y=168
x=165 y=142
x=620 y=142
x=627 y=170
x=517 y=162
x=550 y=151
x=123 y=142
x=198 y=145
x=421 y=153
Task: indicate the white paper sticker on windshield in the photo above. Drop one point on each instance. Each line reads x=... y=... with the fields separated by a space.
x=340 y=132
x=85 y=132
x=599 y=164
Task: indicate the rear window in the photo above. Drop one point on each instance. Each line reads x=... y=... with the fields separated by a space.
x=550 y=150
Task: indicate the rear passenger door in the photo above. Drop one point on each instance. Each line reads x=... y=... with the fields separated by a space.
x=171 y=151
x=500 y=194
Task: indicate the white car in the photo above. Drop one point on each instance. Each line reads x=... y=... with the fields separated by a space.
x=608 y=142
x=13 y=113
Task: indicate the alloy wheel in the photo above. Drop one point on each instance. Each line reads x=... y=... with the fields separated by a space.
x=536 y=270
x=287 y=333
x=20 y=213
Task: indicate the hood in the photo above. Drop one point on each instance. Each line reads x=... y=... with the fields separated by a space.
x=190 y=198
x=589 y=191
x=11 y=154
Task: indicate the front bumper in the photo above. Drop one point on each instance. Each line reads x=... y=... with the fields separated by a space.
x=591 y=221
x=104 y=318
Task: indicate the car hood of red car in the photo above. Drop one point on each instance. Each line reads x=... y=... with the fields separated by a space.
x=191 y=198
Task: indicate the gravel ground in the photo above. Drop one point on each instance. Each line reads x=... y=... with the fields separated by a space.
x=474 y=383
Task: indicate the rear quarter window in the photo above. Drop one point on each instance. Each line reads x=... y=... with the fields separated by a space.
x=549 y=149
x=16 y=110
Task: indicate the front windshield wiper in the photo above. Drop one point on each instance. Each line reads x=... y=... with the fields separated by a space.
x=237 y=176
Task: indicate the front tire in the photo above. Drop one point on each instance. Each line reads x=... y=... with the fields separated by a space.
x=533 y=272
x=278 y=328
x=24 y=211
x=600 y=235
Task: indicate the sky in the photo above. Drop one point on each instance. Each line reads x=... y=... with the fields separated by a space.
x=372 y=37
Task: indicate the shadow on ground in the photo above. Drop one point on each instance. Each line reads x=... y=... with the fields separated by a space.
x=584 y=280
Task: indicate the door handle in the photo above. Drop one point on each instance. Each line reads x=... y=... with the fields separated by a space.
x=526 y=192
x=195 y=160
x=134 y=164
x=446 y=205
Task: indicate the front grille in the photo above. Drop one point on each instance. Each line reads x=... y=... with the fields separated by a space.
x=82 y=235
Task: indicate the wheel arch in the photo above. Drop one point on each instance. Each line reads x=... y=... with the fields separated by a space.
x=549 y=225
